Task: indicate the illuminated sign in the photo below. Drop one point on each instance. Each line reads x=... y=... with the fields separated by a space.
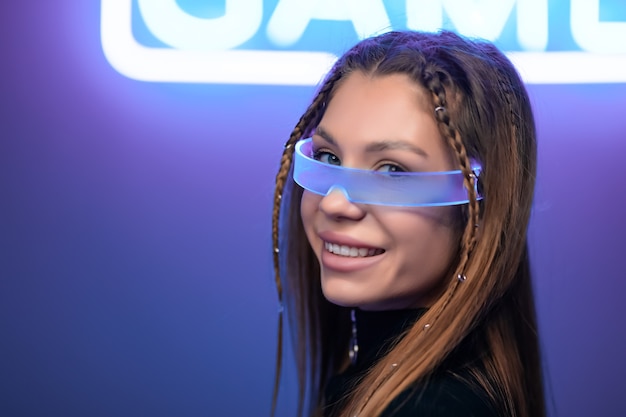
x=247 y=43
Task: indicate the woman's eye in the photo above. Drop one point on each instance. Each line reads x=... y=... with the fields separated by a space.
x=391 y=168
x=326 y=157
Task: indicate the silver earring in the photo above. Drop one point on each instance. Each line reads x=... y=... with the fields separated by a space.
x=354 y=343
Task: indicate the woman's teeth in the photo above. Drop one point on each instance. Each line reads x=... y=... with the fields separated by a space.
x=351 y=251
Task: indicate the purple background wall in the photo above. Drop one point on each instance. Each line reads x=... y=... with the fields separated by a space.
x=135 y=274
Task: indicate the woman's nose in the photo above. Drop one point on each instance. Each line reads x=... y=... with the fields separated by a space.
x=336 y=205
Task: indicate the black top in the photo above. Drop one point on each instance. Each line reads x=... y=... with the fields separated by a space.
x=445 y=395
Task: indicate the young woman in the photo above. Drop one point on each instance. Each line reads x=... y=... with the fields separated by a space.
x=401 y=208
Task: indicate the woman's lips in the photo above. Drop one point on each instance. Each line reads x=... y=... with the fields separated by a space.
x=345 y=255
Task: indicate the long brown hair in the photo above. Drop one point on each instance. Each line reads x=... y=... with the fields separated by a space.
x=483 y=111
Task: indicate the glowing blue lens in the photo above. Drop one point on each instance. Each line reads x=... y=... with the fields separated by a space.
x=414 y=189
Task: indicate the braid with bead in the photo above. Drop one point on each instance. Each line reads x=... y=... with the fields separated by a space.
x=432 y=80
x=310 y=117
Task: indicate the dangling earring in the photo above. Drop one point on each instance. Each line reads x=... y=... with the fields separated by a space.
x=354 y=343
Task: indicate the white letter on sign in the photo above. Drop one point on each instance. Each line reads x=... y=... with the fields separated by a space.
x=180 y=30
x=291 y=17
x=591 y=34
x=484 y=18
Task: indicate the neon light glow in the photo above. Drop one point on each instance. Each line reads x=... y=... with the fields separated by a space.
x=291 y=17
x=594 y=35
x=136 y=61
x=202 y=50
x=484 y=18
x=163 y=15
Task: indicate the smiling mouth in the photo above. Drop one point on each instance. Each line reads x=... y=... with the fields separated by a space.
x=351 y=251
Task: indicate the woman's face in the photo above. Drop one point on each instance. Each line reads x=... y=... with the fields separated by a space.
x=380 y=257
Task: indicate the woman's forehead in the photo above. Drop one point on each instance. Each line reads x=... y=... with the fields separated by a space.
x=380 y=108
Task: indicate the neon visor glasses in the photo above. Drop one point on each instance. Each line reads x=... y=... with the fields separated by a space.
x=411 y=189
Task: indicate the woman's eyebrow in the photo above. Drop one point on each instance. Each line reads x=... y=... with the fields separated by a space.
x=378 y=146
x=384 y=145
x=319 y=131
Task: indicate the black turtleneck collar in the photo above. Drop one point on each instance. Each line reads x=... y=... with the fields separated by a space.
x=448 y=392
x=377 y=329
